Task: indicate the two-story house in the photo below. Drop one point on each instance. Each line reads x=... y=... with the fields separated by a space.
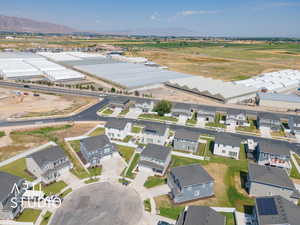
x=269 y=121
x=294 y=125
x=11 y=191
x=142 y=105
x=189 y=183
x=236 y=117
x=181 y=109
x=155 y=158
x=270 y=181
x=117 y=129
x=200 y=215
x=227 y=145
x=48 y=164
x=186 y=140
x=155 y=134
x=96 y=149
x=119 y=102
x=206 y=114
x=274 y=154
x=275 y=210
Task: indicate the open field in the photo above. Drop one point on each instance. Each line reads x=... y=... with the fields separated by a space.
x=13 y=105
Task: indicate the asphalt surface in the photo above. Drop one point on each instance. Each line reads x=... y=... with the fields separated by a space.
x=100 y=204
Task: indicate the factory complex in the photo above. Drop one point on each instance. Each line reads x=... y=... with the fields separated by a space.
x=137 y=73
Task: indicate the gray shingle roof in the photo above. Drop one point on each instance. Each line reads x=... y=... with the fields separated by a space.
x=7 y=183
x=227 y=139
x=191 y=175
x=119 y=100
x=47 y=155
x=269 y=175
x=118 y=124
x=156 y=152
x=201 y=215
x=182 y=106
x=278 y=148
x=187 y=134
x=285 y=212
x=93 y=143
x=158 y=129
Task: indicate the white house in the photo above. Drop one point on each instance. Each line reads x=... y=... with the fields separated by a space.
x=155 y=134
x=227 y=145
x=117 y=129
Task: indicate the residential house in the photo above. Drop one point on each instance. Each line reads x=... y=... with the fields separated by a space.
x=96 y=149
x=236 y=117
x=142 y=105
x=270 y=181
x=186 y=140
x=155 y=134
x=156 y=158
x=294 y=125
x=182 y=109
x=200 y=215
x=227 y=145
x=11 y=192
x=117 y=129
x=206 y=114
x=119 y=102
x=274 y=153
x=275 y=210
x=189 y=183
x=48 y=164
x=269 y=120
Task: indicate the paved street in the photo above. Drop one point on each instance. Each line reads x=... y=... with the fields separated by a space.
x=101 y=203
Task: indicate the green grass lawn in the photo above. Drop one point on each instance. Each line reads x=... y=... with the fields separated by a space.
x=193 y=120
x=65 y=193
x=91 y=180
x=147 y=205
x=53 y=188
x=294 y=172
x=46 y=218
x=18 y=168
x=157 y=117
x=29 y=215
x=2 y=133
x=75 y=145
x=126 y=152
x=214 y=124
x=80 y=173
x=201 y=149
x=133 y=164
x=229 y=218
x=98 y=131
x=183 y=161
x=124 y=112
x=154 y=181
x=136 y=129
x=127 y=138
x=107 y=111
x=95 y=171
x=250 y=129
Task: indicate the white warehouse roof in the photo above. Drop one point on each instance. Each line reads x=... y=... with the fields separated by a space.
x=63 y=75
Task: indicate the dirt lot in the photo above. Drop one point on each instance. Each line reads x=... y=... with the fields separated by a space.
x=16 y=141
x=14 y=104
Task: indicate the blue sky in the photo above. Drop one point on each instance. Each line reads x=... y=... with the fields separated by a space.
x=211 y=17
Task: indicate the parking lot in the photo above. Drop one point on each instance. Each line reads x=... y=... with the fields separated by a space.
x=101 y=203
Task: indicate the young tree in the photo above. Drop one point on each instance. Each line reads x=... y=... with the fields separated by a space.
x=162 y=107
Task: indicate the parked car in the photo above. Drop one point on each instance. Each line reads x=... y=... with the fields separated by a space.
x=36 y=95
x=163 y=223
x=26 y=86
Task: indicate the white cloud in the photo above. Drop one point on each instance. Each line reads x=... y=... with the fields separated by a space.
x=154 y=16
x=197 y=12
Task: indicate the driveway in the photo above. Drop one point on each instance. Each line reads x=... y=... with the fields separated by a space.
x=159 y=190
x=133 y=114
x=113 y=167
x=101 y=203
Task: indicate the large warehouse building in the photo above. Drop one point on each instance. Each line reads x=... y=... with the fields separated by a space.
x=281 y=101
x=226 y=92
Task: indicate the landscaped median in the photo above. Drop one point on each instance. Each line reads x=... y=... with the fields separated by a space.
x=158 y=118
x=129 y=172
x=46 y=218
x=29 y=215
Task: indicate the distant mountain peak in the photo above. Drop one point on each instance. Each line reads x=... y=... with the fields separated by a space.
x=18 y=24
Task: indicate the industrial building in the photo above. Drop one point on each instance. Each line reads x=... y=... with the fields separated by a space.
x=282 y=101
x=69 y=56
x=226 y=92
x=279 y=81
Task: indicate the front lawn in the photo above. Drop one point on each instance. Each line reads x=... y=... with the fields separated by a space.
x=193 y=120
x=91 y=180
x=126 y=152
x=95 y=171
x=98 y=131
x=75 y=145
x=147 y=205
x=18 y=168
x=2 y=133
x=124 y=112
x=136 y=129
x=214 y=124
x=154 y=181
x=46 y=218
x=107 y=111
x=294 y=172
x=65 y=193
x=131 y=167
x=157 y=117
x=29 y=215
x=53 y=188
x=127 y=139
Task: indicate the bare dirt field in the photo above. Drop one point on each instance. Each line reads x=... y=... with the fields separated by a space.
x=14 y=104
